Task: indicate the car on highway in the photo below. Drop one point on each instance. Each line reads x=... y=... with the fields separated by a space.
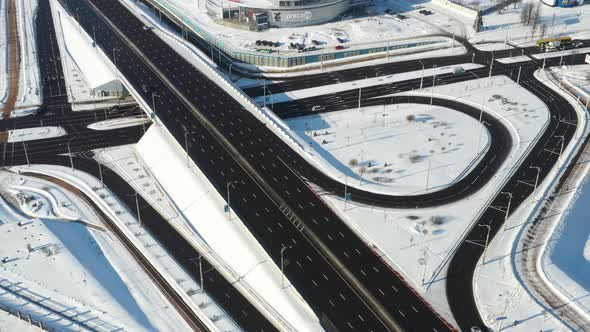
x=317 y=108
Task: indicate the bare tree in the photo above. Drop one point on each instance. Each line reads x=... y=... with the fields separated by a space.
x=353 y=162
x=516 y=2
x=542 y=30
x=535 y=18
x=525 y=13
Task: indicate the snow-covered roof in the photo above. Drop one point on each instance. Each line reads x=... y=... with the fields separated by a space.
x=96 y=72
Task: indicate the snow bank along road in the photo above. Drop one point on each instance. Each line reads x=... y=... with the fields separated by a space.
x=356 y=291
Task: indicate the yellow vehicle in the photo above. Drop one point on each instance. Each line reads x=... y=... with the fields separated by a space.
x=552 y=43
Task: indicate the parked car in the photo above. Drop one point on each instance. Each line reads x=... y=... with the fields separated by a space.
x=340 y=47
x=577 y=43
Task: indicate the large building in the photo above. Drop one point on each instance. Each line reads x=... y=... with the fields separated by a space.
x=262 y=14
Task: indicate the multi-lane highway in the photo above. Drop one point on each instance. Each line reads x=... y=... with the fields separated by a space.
x=563 y=122
x=343 y=280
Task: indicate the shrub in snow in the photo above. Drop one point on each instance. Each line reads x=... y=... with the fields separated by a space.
x=414 y=158
x=411 y=117
x=353 y=162
x=437 y=220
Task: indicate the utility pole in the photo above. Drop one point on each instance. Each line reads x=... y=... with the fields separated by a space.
x=518 y=78
x=507 y=208
x=485 y=249
x=283 y=265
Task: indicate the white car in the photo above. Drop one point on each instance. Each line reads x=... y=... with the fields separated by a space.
x=317 y=108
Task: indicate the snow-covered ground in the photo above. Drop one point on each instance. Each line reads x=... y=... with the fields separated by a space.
x=229 y=240
x=419 y=243
x=62 y=266
x=502 y=295
x=128 y=121
x=13 y=323
x=29 y=96
x=402 y=149
x=577 y=76
x=31 y=134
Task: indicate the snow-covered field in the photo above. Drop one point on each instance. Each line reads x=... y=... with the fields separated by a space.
x=62 y=266
x=419 y=243
x=401 y=149
x=31 y=134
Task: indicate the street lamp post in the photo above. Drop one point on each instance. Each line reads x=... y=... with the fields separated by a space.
x=154 y=105
x=421 y=76
x=283 y=265
x=186 y=133
x=360 y=94
x=70 y=152
x=229 y=183
x=491 y=66
x=518 y=78
x=100 y=172
x=562 y=140
x=537 y=178
x=485 y=248
x=507 y=208
x=118 y=85
x=26 y=154
x=433 y=83
x=137 y=208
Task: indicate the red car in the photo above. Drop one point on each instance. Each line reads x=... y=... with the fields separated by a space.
x=340 y=47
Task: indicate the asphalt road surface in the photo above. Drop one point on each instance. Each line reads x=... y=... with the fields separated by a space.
x=321 y=284
x=334 y=300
